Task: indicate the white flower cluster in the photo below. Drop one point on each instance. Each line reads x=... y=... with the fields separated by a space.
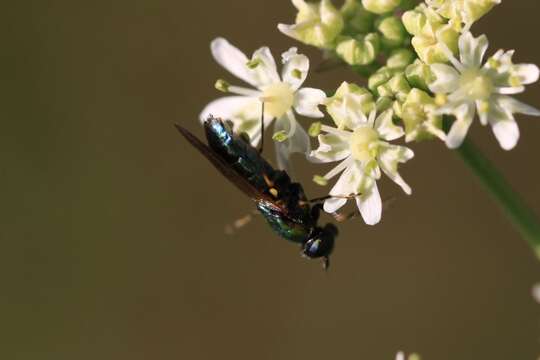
x=468 y=86
x=424 y=68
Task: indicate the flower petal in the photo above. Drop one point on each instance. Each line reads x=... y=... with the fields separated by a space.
x=265 y=73
x=389 y=158
x=472 y=50
x=447 y=79
x=333 y=204
x=225 y=107
x=295 y=68
x=464 y=117
x=346 y=185
x=506 y=132
x=386 y=128
x=342 y=187
x=339 y=168
x=482 y=114
x=502 y=122
x=510 y=90
x=297 y=140
x=332 y=147
x=232 y=59
x=528 y=73
x=244 y=112
x=516 y=107
x=306 y=102
x=370 y=206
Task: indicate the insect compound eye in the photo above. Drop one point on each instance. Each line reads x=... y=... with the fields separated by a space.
x=311 y=247
x=320 y=245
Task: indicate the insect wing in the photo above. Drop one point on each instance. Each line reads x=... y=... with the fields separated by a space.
x=224 y=168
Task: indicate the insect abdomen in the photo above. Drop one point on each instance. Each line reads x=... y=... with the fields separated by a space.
x=285 y=227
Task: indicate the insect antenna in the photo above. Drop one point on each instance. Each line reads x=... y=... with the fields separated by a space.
x=262 y=128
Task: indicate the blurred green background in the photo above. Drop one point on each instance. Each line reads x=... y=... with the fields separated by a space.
x=112 y=243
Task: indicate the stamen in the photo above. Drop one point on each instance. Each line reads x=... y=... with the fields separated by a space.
x=441 y=99
x=483 y=106
x=222 y=85
x=280 y=136
x=320 y=180
x=253 y=63
x=333 y=130
x=292 y=123
x=244 y=91
x=296 y=73
x=315 y=129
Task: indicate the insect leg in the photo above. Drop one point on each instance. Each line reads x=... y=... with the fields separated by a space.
x=344 y=217
x=239 y=223
x=316 y=211
x=320 y=199
x=326 y=263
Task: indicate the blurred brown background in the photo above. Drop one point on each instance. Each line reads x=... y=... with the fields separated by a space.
x=112 y=243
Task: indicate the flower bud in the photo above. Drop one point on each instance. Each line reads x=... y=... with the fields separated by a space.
x=400 y=58
x=396 y=87
x=349 y=8
x=349 y=98
x=475 y=9
x=380 y=78
x=431 y=32
x=466 y=11
x=383 y=103
x=399 y=86
x=357 y=20
x=419 y=117
x=380 y=6
x=361 y=50
x=316 y=24
x=392 y=30
x=414 y=21
x=419 y=75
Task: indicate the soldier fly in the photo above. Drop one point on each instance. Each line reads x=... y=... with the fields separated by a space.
x=282 y=202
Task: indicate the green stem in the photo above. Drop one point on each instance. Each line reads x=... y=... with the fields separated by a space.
x=519 y=214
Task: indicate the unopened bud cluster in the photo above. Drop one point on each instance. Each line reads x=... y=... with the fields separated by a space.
x=403 y=47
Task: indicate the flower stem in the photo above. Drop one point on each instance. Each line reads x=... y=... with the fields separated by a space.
x=519 y=214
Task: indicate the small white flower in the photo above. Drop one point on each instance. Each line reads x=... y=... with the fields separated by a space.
x=468 y=87
x=363 y=151
x=280 y=96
